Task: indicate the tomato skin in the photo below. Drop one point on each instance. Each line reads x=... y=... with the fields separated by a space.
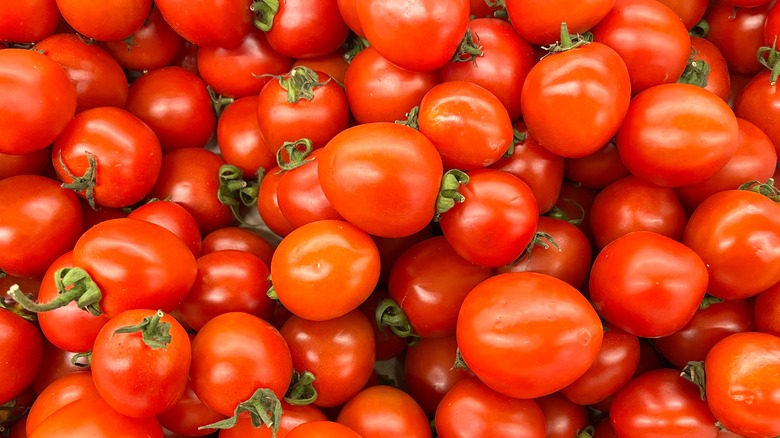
x=663 y=404
x=387 y=344
x=154 y=45
x=382 y=177
x=737 y=225
x=29 y=21
x=381 y=411
x=759 y=103
x=564 y=418
x=189 y=413
x=689 y=11
x=208 y=23
x=107 y=20
x=471 y=409
x=294 y=416
x=703 y=128
x=767 y=315
x=300 y=195
x=322 y=429
x=174 y=218
x=647 y=284
x=307 y=28
x=497 y=220
x=241 y=239
x=38 y=100
x=428 y=371
x=738 y=33
x=718 y=79
x=33 y=163
x=771 y=26
x=591 y=77
x=597 y=170
x=60 y=393
x=268 y=203
x=239 y=139
x=742 y=382
x=21 y=357
x=421 y=35
x=55 y=364
x=528 y=312
x=544 y=29
x=333 y=64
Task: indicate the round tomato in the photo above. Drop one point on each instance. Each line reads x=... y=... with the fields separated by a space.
x=21 y=355
x=62 y=392
x=564 y=418
x=300 y=195
x=32 y=163
x=174 y=218
x=428 y=371
x=759 y=103
x=29 y=21
x=322 y=429
x=767 y=310
x=106 y=20
x=242 y=239
x=381 y=411
x=738 y=32
x=543 y=29
x=268 y=203
x=304 y=28
x=208 y=23
x=188 y=414
x=689 y=11
x=239 y=139
x=153 y=45
x=293 y=416
x=708 y=58
x=55 y=364
x=597 y=170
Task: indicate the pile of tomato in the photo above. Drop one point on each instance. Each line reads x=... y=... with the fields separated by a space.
x=382 y=218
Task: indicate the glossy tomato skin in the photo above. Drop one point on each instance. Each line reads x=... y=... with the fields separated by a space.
x=268 y=203
x=322 y=429
x=333 y=64
x=174 y=218
x=689 y=11
x=495 y=222
x=33 y=163
x=208 y=23
x=39 y=221
x=771 y=26
x=738 y=33
x=759 y=103
x=563 y=417
x=381 y=411
x=241 y=239
x=767 y=311
x=188 y=414
x=382 y=177
x=647 y=284
x=742 y=382
x=105 y=21
x=428 y=371
x=737 y=225
x=21 y=359
x=544 y=29
x=471 y=409
x=240 y=141
x=529 y=312
x=591 y=77
x=597 y=170
x=300 y=195
x=718 y=79
x=293 y=416
x=30 y=21
x=62 y=392
x=38 y=100
x=55 y=364
x=307 y=28
x=154 y=45
x=677 y=134
x=663 y=404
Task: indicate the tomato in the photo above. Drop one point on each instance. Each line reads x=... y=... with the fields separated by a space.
x=55 y=364
x=428 y=371
x=580 y=16
x=650 y=38
x=268 y=203
x=300 y=195
x=759 y=103
x=33 y=163
x=21 y=356
x=152 y=46
x=742 y=381
x=661 y=403
x=227 y=281
x=29 y=21
x=647 y=284
x=333 y=64
x=325 y=269
x=471 y=409
x=737 y=225
x=293 y=416
x=430 y=281
x=382 y=177
x=38 y=100
x=703 y=127
x=60 y=393
x=564 y=418
x=188 y=414
x=767 y=311
x=174 y=218
x=242 y=239
x=689 y=11
x=421 y=35
x=529 y=315
x=97 y=77
x=305 y=28
x=382 y=411
x=387 y=344
x=39 y=222
x=597 y=170
x=379 y=91
x=772 y=26
x=208 y=23
x=176 y=105
x=253 y=350
x=717 y=80
x=239 y=139
x=738 y=33
x=348 y=11
x=496 y=221
x=322 y=429
x=107 y=20
x=241 y=70
x=590 y=77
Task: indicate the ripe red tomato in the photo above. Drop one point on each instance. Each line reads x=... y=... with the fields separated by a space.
x=381 y=411
x=174 y=218
x=240 y=141
x=564 y=418
x=105 y=20
x=597 y=170
x=759 y=103
x=62 y=392
x=772 y=27
x=21 y=357
x=527 y=314
x=767 y=311
x=718 y=79
x=242 y=239
x=689 y=11
x=544 y=28
x=738 y=32
x=322 y=429
x=268 y=203
x=188 y=414
x=152 y=46
x=293 y=416
x=55 y=364
x=206 y=23
x=428 y=371
x=333 y=64
x=300 y=195
x=29 y=21
x=305 y=28
x=33 y=163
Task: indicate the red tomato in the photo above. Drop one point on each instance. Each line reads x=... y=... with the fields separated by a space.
x=592 y=78
x=55 y=364
x=428 y=371
x=334 y=64
x=689 y=11
x=738 y=32
x=268 y=203
x=37 y=100
x=388 y=345
x=348 y=11
x=759 y=103
x=152 y=46
x=564 y=418
x=382 y=177
x=32 y=163
x=208 y=23
x=325 y=269
x=60 y=393
x=473 y=410
x=421 y=35
x=293 y=416
x=677 y=134
x=188 y=414
x=110 y=20
x=21 y=357
x=717 y=79
x=322 y=429
x=647 y=284
x=650 y=38
x=544 y=28
x=300 y=195
x=240 y=141
x=772 y=26
x=597 y=170
x=742 y=381
x=767 y=310
x=242 y=239
x=174 y=218
x=528 y=315
x=305 y=28
x=383 y=411
x=28 y=21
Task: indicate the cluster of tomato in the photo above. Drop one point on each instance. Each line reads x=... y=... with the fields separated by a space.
x=374 y=218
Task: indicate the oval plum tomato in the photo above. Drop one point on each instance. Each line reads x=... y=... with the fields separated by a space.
x=29 y=21
x=188 y=414
x=379 y=91
x=227 y=281
x=535 y=165
x=754 y=160
x=242 y=239
x=429 y=281
x=301 y=104
x=428 y=371
x=742 y=381
x=38 y=100
x=268 y=203
x=759 y=103
x=650 y=38
x=174 y=218
x=176 y=105
x=62 y=392
x=689 y=11
x=322 y=429
x=737 y=225
x=483 y=127
x=300 y=195
x=472 y=410
x=647 y=284
x=767 y=311
x=677 y=134
x=496 y=221
x=105 y=20
x=325 y=269
x=254 y=352
x=243 y=69
x=33 y=163
x=502 y=67
x=661 y=403
x=140 y=362
x=738 y=32
x=206 y=23
x=718 y=79
x=339 y=352
x=305 y=28
x=240 y=141
x=108 y=156
x=381 y=411
x=708 y=326
x=419 y=35
x=526 y=314
x=152 y=46
x=564 y=418
x=21 y=355
x=631 y=204
x=382 y=177
x=588 y=76
x=99 y=80
x=543 y=29
x=294 y=416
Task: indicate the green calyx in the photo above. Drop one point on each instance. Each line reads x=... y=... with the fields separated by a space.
x=469 y=48
x=411 y=118
x=234 y=191
x=218 y=102
x=265 y=11
x=301 y=391
x=696 y=71
x=460 y=363
x=701 y=29
x=518 y=138
x=294 y=154
x=448 y=192
x=538 y=240
x=709 y=300
x=300 y=83
x=694 y=373
x=354 y=45
x=767 y=189
x=73 y=284
x=568 y=41
x=769 y=57
x=155 y=334
x=84 y=183
x=263 y=408
x=390 y=314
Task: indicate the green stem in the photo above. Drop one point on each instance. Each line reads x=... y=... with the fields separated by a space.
x=265 y=11
x=769 y=57
x=459 y=364
x=235 y=191
x=538 y=240
x=694 y=373
x=85 y=183
x=518 y=138
x=354 y=45
x=448 y=191
x=73 y=284
x=767 y=189
x=263 y=408
x=709 y=300
x=701 y=29
x=567 y=41
x=696 y=71
x=588 y=432
x=76 y=359
x=389 y=314
x=297 y=153
x=300 y=83
x=558 y=213
x=469 y=48
x=218 y=102
x=155 y=334
x=411 y=118
x=301 y=391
